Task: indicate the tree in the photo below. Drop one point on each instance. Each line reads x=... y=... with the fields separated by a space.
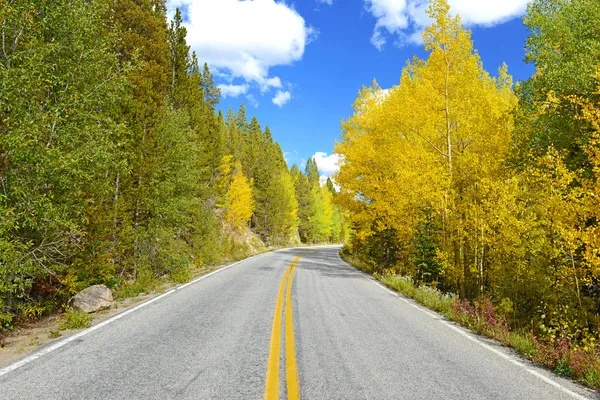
x=144 y=38
x=563 y=45
x=238 y=203
x=180 y=61
x=211 y=92
x=312 y=171
x=446 y=130
x=115 y=166
x=60 y=91
x=282 y=207
x=306 y=205
x=326 y=223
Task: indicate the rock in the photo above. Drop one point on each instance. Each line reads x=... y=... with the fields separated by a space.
x=92 y=299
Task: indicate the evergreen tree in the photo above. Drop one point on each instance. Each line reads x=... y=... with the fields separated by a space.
x=312 y=172
x=306 y=207
x=331 y=187
x=211 y=92
x=180 y=62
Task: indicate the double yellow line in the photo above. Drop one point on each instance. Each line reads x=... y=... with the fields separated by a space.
x=291 y=371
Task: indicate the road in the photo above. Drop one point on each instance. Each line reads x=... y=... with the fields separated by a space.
x=216 y=339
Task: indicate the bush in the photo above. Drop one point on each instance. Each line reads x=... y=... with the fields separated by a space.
x=179 y=270
x=75 y=319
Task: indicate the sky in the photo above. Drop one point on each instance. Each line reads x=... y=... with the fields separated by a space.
x=298 y=65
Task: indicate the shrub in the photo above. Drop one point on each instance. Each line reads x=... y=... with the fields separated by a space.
x=180 y=269
x=75 y=319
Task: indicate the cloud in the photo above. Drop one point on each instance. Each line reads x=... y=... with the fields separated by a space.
x=244 y=39
x=252 y=100
x=233 y=90
x=281 y=98
x=327 y=164
x=403 y=20
x=328 y=2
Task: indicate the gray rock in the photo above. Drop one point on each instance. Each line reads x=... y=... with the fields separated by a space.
x=92 y=299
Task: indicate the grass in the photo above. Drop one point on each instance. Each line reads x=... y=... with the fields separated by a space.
x=522 y=344
x=428 y=296
x=75 y=319
x=54 y=333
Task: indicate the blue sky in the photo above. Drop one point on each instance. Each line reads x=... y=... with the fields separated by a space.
x=299 y=65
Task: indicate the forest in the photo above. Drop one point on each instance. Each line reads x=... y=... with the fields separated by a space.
x=489 y=189
x=117 y=167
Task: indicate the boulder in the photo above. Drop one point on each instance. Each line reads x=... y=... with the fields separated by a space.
x=92 y=299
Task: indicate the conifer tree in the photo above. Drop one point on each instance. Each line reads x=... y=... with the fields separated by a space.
x=144 y=37
x=312 y=171
x=306 y=206
x=180 y=62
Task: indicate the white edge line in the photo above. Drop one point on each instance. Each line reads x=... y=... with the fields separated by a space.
x=78 y=335
x=484 y=345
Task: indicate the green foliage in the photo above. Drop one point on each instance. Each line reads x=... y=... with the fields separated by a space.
x=320 y=219
x=522 y=343
x=563 y=45
x=75 y=319
x=424 y=252
x=179 y=269
x=110 y=148
x=426 y=295
x=56 y=139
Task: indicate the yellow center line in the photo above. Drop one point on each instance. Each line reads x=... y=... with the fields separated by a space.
x=272 y=386
x=291 y=370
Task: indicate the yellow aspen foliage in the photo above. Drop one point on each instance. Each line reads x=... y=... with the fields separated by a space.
x=440 y=185
x=438 y=141
x=283 y=208
x=591 y=185
x=237 y=203
x=327 y=223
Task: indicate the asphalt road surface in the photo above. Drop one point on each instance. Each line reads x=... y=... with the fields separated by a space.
x=236 y=335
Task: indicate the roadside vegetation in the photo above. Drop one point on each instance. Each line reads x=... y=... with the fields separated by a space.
x=116 y=166
x=463 y=182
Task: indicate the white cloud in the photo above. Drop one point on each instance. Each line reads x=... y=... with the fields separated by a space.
x=281 y=98
x=233 y=90
x=329 y=2
x=244 y=39
x=403 y=20
x=252 y=100
x=327 y=164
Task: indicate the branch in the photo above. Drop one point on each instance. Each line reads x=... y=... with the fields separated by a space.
x=416 y=131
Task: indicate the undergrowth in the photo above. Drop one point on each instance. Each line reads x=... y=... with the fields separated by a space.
x=74 y=319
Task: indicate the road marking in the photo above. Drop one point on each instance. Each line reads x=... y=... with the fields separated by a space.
x=272 y=385
x=291 y=370
x=78 y=335
x=484 y=345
